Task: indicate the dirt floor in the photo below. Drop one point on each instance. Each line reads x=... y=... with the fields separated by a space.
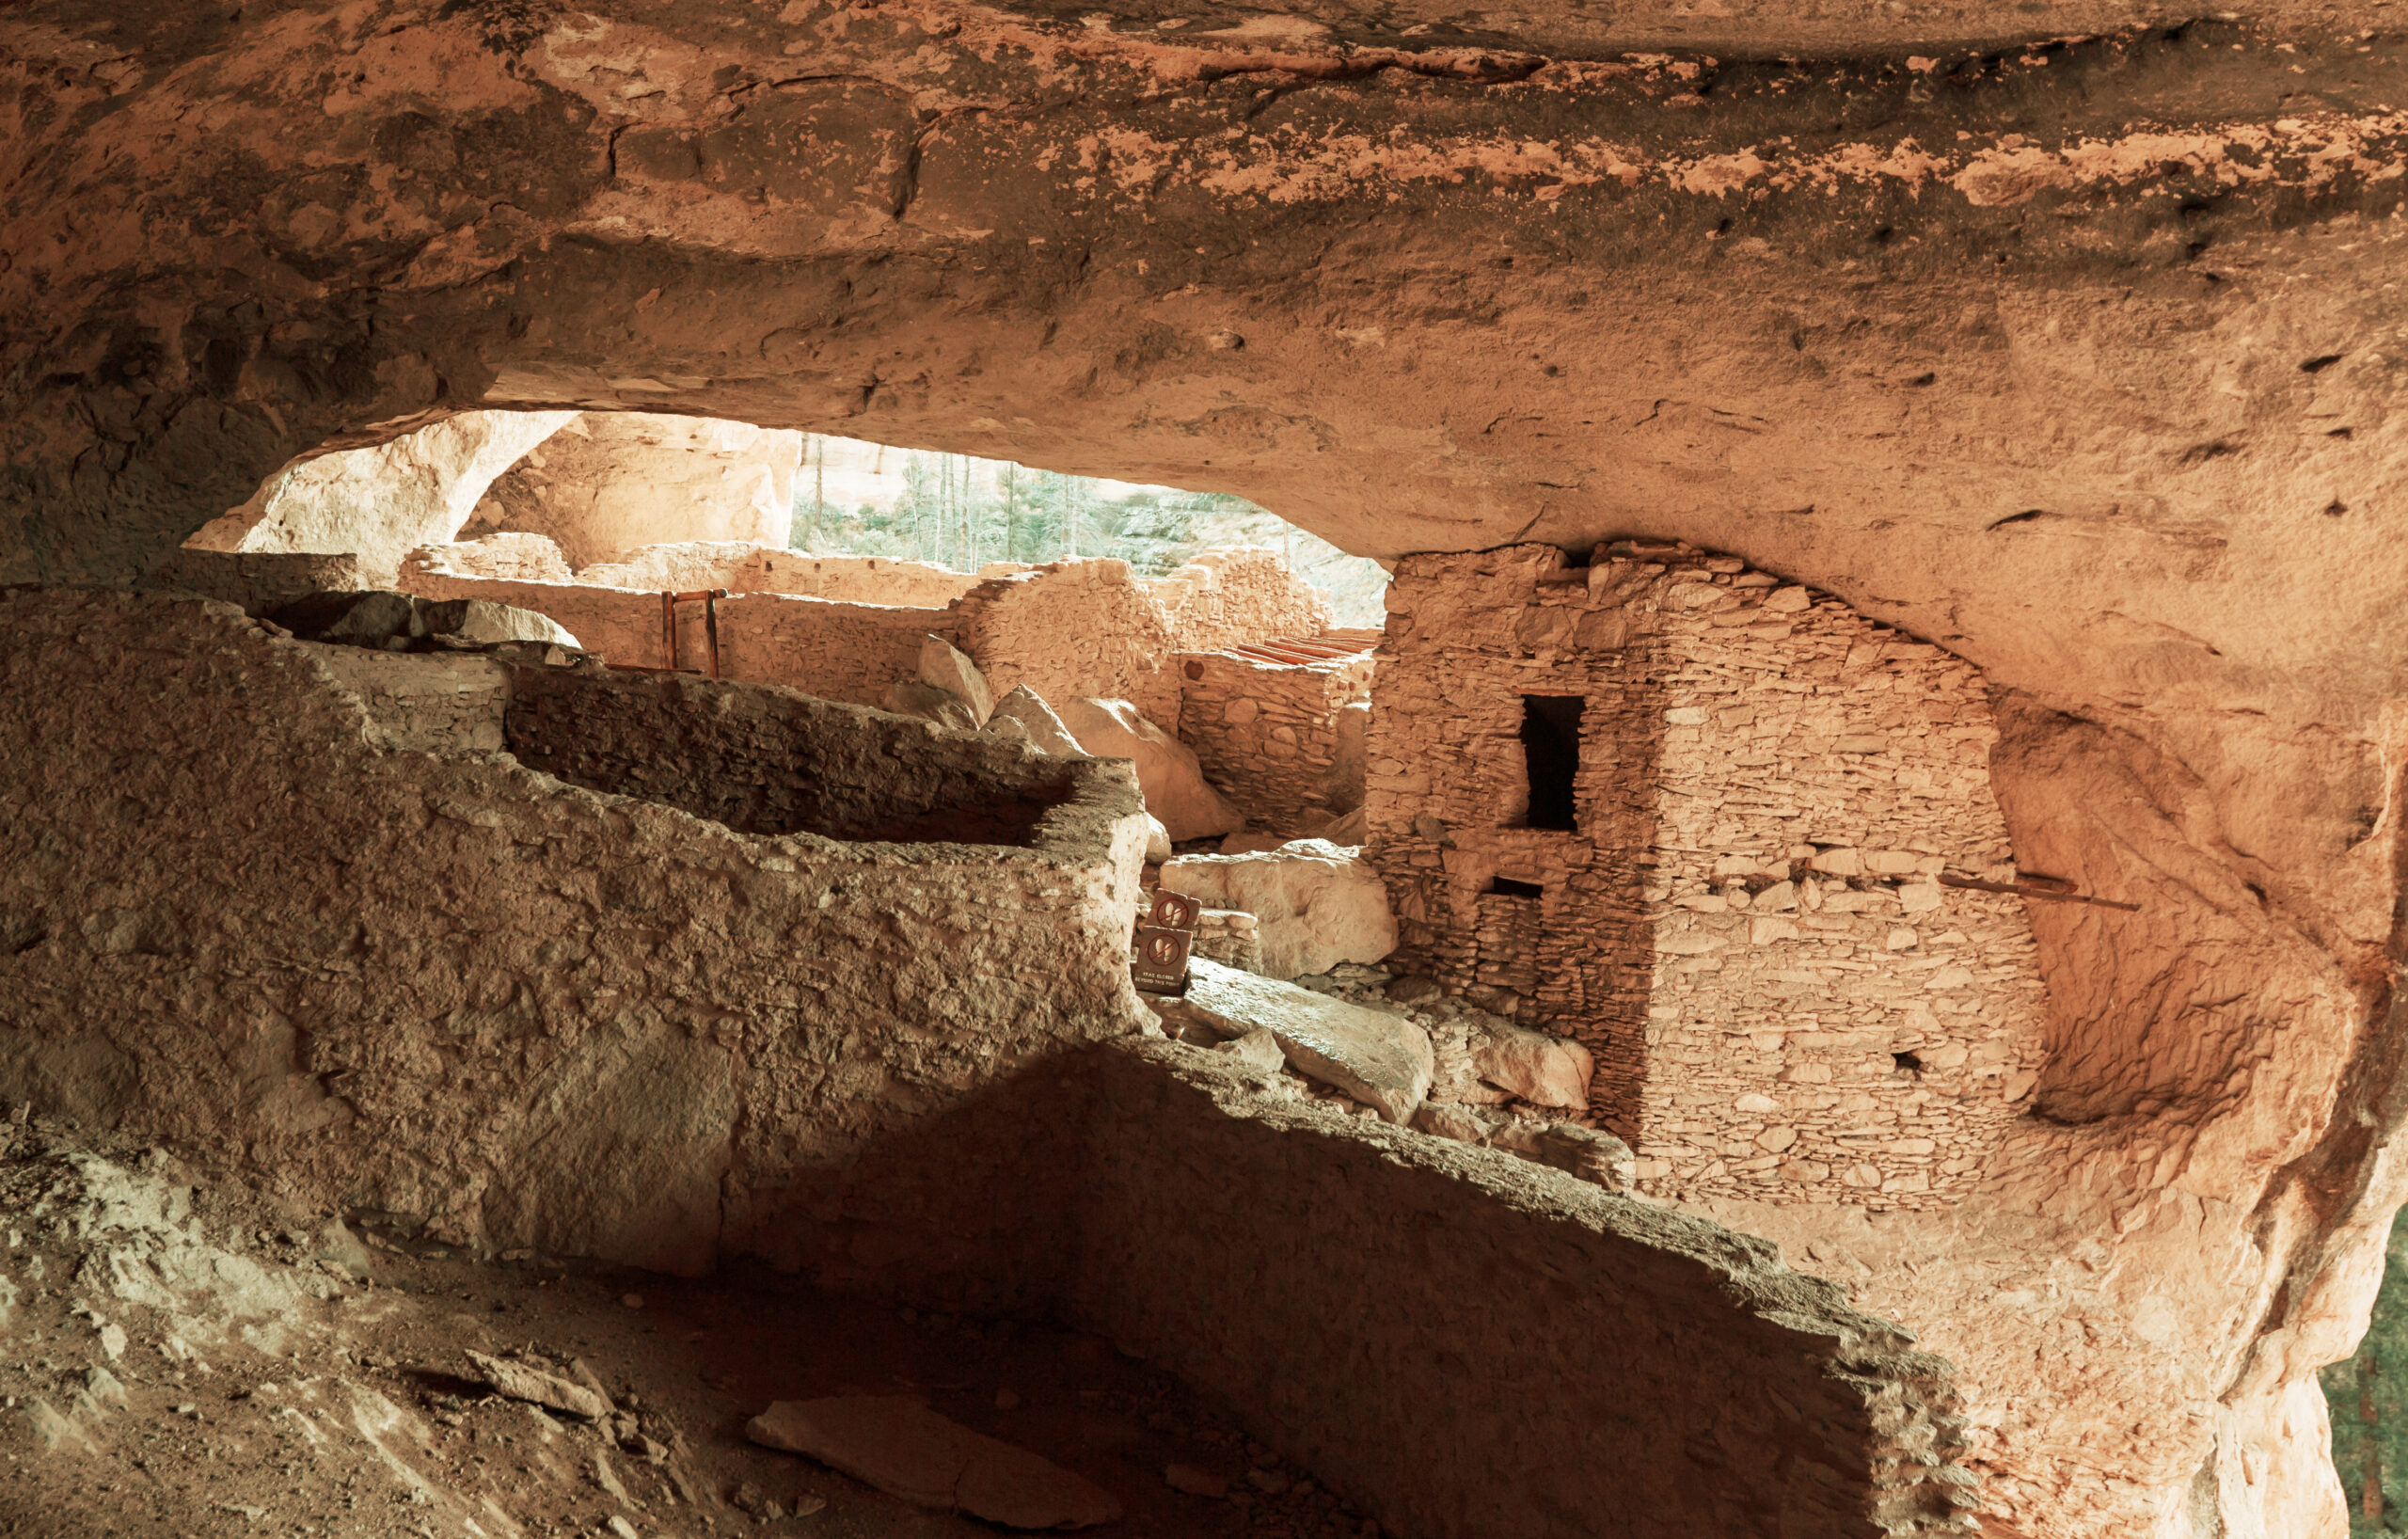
x=184 y=1358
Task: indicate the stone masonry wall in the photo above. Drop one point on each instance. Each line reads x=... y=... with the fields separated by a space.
x=774 y=761
x=1073 y=628
x=1745 y=928
x=449 y=986
x=1066 y=629
x=848 y=652
x=1233 y=597
x=427 y=701
x=1269 y=734
x=1489 y=1349
x=257 y=582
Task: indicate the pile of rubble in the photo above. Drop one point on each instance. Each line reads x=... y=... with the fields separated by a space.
x=1366 y=1043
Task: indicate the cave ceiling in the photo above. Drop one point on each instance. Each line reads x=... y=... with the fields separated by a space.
x=2067 y=336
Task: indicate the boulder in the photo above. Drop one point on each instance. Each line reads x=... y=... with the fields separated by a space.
x=1542 y=1070
x=486 y=623
x=932 y=703
x=904 y=1449
x=1318 y=904
x=370 y=618
x=948 y=667
x=1258 y=1047
x=1157 y=841
x=1589 y=1155
x=1382 y=1060
x=1446 y=1119
x=1349 y=830
x=1175 y=788
x=1026 y=716
x=1251 y=843
x=537 y=1387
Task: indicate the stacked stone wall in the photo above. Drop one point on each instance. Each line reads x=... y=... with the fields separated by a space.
x=448 y=986
x=1237 y=596
x=1072 y=628
x=1682 y=1381
x=1746 y=927
x=426 y=702
x=1272 y=736
x=775 y=761
x=256 y=582
x=848 y=652
x=1066 y=629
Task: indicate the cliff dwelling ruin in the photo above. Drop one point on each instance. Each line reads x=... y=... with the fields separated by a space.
x=1765 y=902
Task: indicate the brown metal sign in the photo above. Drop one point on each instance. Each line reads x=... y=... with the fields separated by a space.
x=1159 y=950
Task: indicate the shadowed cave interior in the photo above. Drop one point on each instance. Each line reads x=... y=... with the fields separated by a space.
x=625 y=632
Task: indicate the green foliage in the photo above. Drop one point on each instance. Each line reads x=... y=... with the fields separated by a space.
x=2350 y=1392
x=962 y=513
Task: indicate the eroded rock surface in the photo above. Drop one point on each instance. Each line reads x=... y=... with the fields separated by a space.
x=2056 y=340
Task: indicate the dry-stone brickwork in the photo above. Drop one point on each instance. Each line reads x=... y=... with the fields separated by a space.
x=1072 y=628
x=778 y=761
x=1694 y=1386
x=427 y=701
x=1745 y=924
x=256 y=582
x=1272 y=734
x=1233 y=597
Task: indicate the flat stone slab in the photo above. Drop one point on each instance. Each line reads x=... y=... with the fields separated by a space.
x=1382 y=1060
x=906 y=1450
x=520 y=1382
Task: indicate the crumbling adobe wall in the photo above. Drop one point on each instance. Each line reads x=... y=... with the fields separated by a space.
x=1668 y=1377
x=446 y=985
x=257 y=583
x=745 y=568
x=426 y=702
x=1745 y=928
x=1270 y=736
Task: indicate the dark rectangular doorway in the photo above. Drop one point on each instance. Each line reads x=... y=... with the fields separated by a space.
x=1551 y=754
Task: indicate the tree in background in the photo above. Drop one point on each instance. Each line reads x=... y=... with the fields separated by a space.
x=2365 y=1396
x=961 y=513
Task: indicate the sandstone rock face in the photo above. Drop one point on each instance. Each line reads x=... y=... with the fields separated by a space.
x=1318 y=904
x=1175 y=789
x=611 y=482
x=1380 y=1059
x=379 y=504
x=1979 y=358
